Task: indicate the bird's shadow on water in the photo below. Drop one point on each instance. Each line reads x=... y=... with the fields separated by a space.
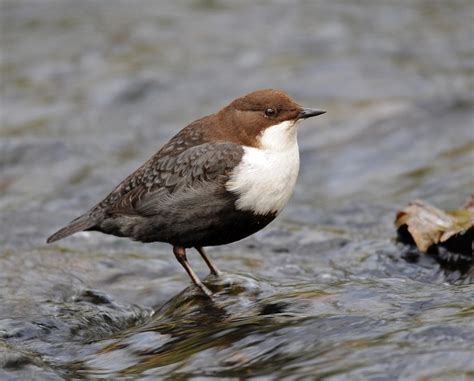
x=187 y=324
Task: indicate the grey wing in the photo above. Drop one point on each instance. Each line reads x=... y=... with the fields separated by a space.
x=190 y=177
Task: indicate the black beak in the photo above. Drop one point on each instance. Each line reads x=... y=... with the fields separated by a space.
x=308 y=113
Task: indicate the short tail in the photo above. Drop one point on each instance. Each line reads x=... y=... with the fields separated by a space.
x=81 y=223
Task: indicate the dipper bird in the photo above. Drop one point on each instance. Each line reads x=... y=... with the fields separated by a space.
x=220 y=179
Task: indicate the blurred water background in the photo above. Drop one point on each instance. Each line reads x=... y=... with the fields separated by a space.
x=91 y=89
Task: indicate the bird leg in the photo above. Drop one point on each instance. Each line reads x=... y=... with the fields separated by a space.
x=180 y=254
x=209 y=262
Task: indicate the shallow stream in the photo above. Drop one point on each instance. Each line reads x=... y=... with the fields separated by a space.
x=89 y=90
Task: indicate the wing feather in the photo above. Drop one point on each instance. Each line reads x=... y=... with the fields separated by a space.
x=198 y=166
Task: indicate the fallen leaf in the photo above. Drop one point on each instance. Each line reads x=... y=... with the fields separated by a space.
x=430 y=226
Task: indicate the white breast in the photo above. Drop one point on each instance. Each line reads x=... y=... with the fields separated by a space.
x=265 y=178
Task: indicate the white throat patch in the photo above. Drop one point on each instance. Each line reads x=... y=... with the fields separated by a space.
x=265 y=178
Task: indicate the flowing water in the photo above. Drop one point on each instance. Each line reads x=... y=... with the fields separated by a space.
x=90 y=89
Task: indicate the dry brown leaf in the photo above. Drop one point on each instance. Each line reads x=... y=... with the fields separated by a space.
x=429 y=225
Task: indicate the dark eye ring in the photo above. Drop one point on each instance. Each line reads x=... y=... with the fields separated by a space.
x=270 y=112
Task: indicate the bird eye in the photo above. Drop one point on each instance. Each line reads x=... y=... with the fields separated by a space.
x=270 y=112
